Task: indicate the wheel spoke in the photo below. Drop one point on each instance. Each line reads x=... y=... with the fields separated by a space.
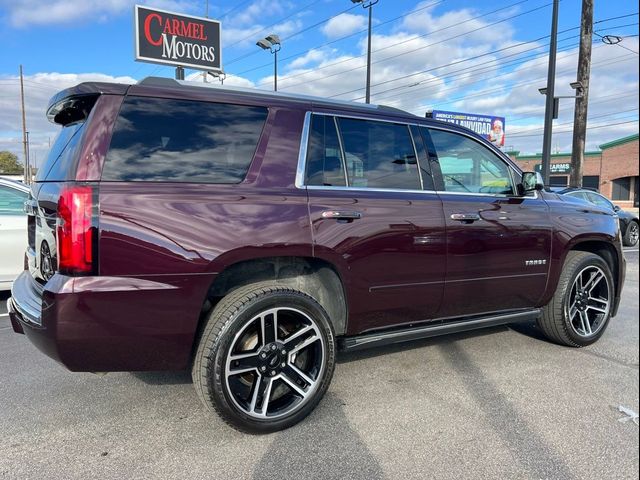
x=292 y=383
x=596 y=309
x=261 y=388
x=313 y=338
x=573 y=309
x=269 y=327
x=294 y=373
x=292 y=340
x=584 y=320
x=594 y=280
x=242 y=363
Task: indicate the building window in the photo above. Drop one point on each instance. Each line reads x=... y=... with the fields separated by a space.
x=559 y=181
x=591 y=181
x=621 y=188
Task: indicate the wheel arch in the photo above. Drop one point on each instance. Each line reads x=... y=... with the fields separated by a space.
x=607 y=252
x=315 y=277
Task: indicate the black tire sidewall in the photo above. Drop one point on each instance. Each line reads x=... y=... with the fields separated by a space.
x=218 y=391
x=590 y=260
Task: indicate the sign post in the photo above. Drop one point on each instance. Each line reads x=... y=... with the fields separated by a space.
x=169 y=38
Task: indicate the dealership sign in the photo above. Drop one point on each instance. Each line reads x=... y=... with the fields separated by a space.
x=492 y=128
x=176 y=39
x=556 y=168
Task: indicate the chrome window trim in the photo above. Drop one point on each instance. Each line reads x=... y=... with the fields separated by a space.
x=343 y=155
x=302 y=153
x=415 y=153
x=304 y=142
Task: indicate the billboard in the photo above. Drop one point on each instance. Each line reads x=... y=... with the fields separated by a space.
x=176 y=39
x=490 y=127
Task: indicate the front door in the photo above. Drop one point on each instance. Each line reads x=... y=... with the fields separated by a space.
x=498 y=243
x=372 y=218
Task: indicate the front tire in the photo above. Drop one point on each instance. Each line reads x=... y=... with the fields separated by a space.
x=631 y=235
x=265 y=358
x=580 y=310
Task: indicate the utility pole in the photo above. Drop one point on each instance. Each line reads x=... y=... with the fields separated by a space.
x=582 y=101
x=550 y=97
x=27 y=179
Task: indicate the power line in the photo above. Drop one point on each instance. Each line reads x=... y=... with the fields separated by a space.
x=316 y=47
x=410 y=40
x=569 y=131
x=463 y=61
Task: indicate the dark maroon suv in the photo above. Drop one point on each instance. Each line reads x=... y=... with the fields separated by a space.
x=248 y=236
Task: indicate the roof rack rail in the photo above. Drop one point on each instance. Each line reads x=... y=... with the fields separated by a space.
x=170 y=82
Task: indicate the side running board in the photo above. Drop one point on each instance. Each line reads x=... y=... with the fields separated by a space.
x=390 y=337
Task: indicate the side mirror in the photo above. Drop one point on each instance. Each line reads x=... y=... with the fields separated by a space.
x=616 y=208
x=531 y=181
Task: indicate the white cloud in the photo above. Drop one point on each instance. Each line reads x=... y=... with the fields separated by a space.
x=344 y=24
x=39 y=88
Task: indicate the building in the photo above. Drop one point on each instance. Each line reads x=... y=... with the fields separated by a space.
x=612 y=170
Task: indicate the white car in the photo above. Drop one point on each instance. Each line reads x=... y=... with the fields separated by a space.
x=13 y=230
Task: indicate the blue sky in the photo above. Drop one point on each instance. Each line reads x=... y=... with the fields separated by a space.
x=485 y=58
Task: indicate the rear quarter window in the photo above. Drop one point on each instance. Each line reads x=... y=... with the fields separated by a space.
x=164 y=140
x=61 y=161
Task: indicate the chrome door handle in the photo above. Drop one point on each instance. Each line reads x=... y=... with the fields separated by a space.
x=465 y=217
x=341 y=215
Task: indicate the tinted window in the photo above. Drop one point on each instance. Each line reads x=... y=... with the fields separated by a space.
x=467 y=166
x=12 y=201
x=379 y=155
x=61 y=160
x=600 y=201
x=161 y=140
x=556 y=181
x=324 y=159
x=621 y=188
x=591 y=181
x=580 y=195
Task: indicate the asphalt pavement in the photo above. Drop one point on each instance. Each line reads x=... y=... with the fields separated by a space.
x=498 y=403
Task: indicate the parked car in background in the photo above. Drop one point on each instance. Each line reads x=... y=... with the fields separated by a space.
x=628 y=221
x=248 y=235
x=13 y=230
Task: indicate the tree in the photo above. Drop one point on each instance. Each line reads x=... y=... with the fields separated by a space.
x=9 y=164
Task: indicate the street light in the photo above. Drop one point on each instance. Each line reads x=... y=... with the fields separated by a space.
x=272 y=43
x=369 y=5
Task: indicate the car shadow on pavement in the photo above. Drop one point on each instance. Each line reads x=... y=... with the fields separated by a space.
x=164 y=378
x=529 y=447
x=323 y=446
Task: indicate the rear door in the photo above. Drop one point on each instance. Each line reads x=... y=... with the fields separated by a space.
x=372 y=216
x=498 y=243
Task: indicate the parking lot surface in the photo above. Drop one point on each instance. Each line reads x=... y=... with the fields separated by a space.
x=498 y=403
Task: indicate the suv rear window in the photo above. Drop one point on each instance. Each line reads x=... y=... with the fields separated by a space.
x=163 y=140
x=61 y=160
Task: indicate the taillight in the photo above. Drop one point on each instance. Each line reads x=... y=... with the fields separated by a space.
x=74 y=230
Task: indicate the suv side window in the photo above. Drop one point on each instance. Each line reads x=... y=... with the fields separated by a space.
x=379 y=155
x=164 y=140
x=468 y=166
x=324 y=158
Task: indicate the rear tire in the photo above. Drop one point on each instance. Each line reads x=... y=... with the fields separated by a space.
x=265 y=358
x=580 y=310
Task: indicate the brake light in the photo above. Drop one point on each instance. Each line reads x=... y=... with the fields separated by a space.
x=74 y=230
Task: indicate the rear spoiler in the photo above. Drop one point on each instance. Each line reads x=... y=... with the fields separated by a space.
x=75 y=103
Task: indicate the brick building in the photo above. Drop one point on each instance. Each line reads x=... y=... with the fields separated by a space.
x=613 y=169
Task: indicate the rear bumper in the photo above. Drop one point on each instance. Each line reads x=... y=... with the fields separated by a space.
x=100 y=324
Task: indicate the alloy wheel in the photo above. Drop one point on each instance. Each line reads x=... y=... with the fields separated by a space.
x=589 y=301
x=275 y=363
